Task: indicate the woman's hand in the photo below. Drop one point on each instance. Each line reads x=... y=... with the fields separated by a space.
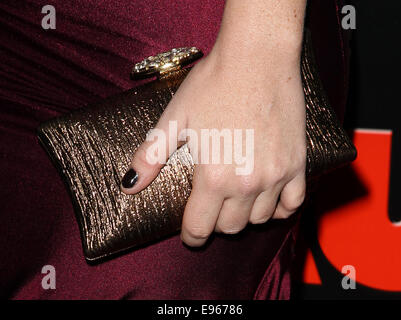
x=239 y=85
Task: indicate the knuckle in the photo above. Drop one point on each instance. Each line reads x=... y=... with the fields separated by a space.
x=231 y=225
x=229 y=229
x=276 y=172
x=248 y=185
x=214 y=179
x=302 y=154
x=287 y=214
x=259 y=219
x=292 y=207
x=298 y=164
x=296 y=201
x=140 y=155
x=197 y=232
x=283 y=214
x=141 y=158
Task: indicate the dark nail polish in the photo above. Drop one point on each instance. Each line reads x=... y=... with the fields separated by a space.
x=129 y=179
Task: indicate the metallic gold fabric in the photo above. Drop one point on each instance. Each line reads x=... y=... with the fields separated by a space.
x=93 y=147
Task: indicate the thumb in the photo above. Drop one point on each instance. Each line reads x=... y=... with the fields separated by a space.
x=153 y=153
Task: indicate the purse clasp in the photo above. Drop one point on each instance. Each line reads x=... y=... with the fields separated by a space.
x=166 y=62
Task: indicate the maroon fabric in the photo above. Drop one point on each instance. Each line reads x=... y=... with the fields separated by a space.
x=45 y=73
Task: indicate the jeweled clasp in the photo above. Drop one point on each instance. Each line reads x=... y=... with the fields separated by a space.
x=163 y=63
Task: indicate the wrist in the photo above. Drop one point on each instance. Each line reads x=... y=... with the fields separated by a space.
x=261 y=33
x=244 y=57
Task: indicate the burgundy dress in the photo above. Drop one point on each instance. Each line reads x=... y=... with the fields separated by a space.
x=45 y=73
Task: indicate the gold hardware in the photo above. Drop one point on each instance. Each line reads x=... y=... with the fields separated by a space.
x=166 y=62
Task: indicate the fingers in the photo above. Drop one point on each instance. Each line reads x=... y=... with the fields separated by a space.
x=200 y=214
x=154 y=152
x=276 y=205
x=264 y=206
x=234 y=215
x=291 y=198
x=211 y=209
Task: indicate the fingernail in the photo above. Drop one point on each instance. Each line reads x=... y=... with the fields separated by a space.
x=129 y=179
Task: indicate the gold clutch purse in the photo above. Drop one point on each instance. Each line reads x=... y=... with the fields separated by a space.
x=93 y=147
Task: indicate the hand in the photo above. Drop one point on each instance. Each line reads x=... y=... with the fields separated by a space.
x=253 y=86
x=223 y=97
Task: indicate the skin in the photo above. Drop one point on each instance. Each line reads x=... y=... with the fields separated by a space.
x=250 y=79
